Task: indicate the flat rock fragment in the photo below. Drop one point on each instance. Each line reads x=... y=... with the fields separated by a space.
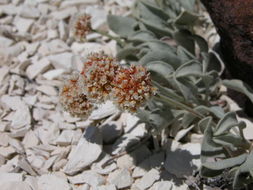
x=87 y=151
x=120 y=178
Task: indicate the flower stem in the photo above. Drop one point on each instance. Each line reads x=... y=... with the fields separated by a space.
x=118 y=40
x=178 y=105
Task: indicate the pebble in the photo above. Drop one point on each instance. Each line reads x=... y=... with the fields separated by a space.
x=62 y=60
x=23 y=25
x=90 y=177
x=148 y=179
x=182 y=160
x=111 y=131
x=162 y=185
x=37 y=67
x=87 y=151
x=154 y=161
x=53 y=182
x=27 y=11
x=105 y=110
x=48 y=90
x=120 y=178
x=15 y=186
x=124 y=142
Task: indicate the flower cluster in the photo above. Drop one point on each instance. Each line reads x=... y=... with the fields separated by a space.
x=102 y=78
x=73 y=99
x=98 y=73
x=82 y=26
x=132 y=87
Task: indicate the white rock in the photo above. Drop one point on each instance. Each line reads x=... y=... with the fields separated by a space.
x=15 y=186
x=7 y=151
x=104 y=111
x=4 y=1
x=65 y=137
x=111 y=131
x=27 y=11
x=2 y=160
x=5 y=42
x=107 y=187
x=248 y=131
x=32 y=181
x=21 y=118
x=62 y=60
x=90 y=177
x=9 y=9
x=120 y=178
x=51 y=34
x=23 y=164
x=148 y=179
x=53 y=74
x=3 y=73
x=65 y=13
x=23 y=25
x=52 y=182
x=98 y=16
x=154 y=161
x=62 y=28
x=37 y=67
x=48 y=90
x=87 y=151
x=10 y=177
x=59 y=165
x=68 y=3
x=30 y=139
x=139 y=130
x=103 y=170
x=4 y=139
x=124 y=142
x=126 y=161
x=182 y=160
x=162 y=185
x=15 y=50
x=12 y=102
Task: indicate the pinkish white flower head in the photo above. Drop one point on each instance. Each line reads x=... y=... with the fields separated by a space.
x=81 y=26
x=73 y=99
x=98 y=73
x=132 y=87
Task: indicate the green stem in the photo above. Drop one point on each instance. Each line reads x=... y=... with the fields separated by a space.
x=118 y=40
x=178 y=105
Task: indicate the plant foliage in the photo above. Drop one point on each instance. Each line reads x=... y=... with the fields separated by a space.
x=161 y=36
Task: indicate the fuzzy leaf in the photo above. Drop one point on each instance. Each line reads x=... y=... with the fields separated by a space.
x=157 y=29
x=127 y=53
x=141 y=36
x=204 y=123
x=212 y=62
x=239 y=86
x=123 y=26
x=226 y=163
x=191 y=68
x=154 y=45
x=185 y=39
x=161 y=55
x=162 y=68
x=229 y=121
x=151 y=13
x=202 y=43
x=186 y=18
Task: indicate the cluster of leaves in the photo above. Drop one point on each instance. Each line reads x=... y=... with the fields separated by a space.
x=160 y=35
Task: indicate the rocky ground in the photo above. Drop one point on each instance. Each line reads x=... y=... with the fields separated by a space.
x=44 y=148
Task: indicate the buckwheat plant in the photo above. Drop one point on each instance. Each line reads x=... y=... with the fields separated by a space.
x=173 y=75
